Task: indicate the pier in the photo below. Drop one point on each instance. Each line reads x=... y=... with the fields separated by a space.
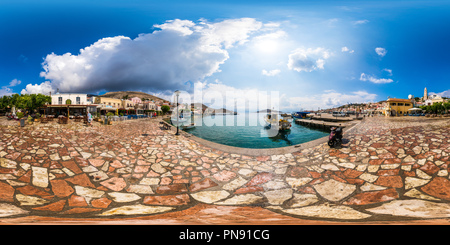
x=323 y=124
x=326 y=121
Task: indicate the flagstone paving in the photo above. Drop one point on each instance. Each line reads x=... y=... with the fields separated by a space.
x=388 y=169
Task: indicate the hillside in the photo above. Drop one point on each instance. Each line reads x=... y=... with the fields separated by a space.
x=131 y=94
x=198 y=105
x=221 y=111
x=269 y=111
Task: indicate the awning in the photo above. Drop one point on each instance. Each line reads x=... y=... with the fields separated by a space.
x=108 y=109
x=414 y=109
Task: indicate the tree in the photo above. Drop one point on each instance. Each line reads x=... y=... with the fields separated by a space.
x=5 y=102
x=41 y=100
x=165 y=109
x=446 y=106
x=22 y=102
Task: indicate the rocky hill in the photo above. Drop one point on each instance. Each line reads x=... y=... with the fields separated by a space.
x=269 y=111
x=131 y=94
x=212 y=111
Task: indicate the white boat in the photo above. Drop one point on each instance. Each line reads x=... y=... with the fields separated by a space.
x=184 y=117
x=189 y=126
x=179 y=121
x=273 y=121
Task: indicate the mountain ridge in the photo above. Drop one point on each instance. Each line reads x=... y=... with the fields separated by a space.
x=131 y=94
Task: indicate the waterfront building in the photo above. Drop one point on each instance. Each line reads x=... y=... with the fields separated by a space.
x=127 y=104
x=108 y=104
x=69 y=99
x=136 y=100
x=397 y=107
x=70 y=104
x=149 y=105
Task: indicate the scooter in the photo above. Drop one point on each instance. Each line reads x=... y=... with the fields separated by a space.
x=335 y=138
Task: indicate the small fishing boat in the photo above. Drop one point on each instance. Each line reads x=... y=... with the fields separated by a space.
x=189 y=126
x=273 y=121
x=300 y=114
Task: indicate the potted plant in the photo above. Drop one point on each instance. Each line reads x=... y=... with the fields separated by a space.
x=29 y=120
x=20 y=117
x=108 y=118
x=36 y=119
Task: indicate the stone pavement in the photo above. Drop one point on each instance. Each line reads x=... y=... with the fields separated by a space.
x=388 y=170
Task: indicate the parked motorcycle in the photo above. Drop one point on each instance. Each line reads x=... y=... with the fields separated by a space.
x=335 y=138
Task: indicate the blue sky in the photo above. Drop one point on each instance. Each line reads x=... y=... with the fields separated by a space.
x=314 y=53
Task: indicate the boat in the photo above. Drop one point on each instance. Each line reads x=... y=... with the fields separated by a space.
x=189 y=126
x=273 y=121
x=286 y=115
x=179 y=121
x=300 y=114
x=184 y=117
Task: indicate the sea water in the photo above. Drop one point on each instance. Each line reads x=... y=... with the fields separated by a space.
x=247 y=130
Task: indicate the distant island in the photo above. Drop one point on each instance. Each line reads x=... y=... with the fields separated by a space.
x=221 y=111
x=269 y=111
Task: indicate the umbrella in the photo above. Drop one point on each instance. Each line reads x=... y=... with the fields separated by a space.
x=414 y=109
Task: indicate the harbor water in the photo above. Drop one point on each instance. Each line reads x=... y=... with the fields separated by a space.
x=247 y=130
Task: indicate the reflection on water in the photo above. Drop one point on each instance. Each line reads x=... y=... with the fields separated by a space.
x=282 y=136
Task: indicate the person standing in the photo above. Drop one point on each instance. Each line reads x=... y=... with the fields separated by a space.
x=89 y=118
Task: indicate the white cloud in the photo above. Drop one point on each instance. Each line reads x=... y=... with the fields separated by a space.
x=229 y=32
x=218 y=95
x=43 y=88
x=360 y=22
x=6 y=90
x=271 y=73
x=14 y=82
x=381 y=51
x=329 y=99
x=389 y=71
x=308 y=59
x=445 y=93
x=365 y=77
x=346 y=49
x=180 y=51
x=181 y=26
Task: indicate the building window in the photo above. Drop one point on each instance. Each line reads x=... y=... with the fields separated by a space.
x=407 y=105
x=394 y=104
x=59 y=100
x=400 y=104
x=78 y=100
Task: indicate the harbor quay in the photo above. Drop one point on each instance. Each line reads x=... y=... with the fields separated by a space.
x=388 y=170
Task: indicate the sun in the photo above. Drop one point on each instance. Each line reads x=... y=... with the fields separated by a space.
x=267 y=46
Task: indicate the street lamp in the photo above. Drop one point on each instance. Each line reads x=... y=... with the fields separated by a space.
x=177 y=93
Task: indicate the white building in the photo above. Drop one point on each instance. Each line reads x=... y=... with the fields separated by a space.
x=434 y=98
x=149 y=105
x=74 y=98
x=70 y=104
